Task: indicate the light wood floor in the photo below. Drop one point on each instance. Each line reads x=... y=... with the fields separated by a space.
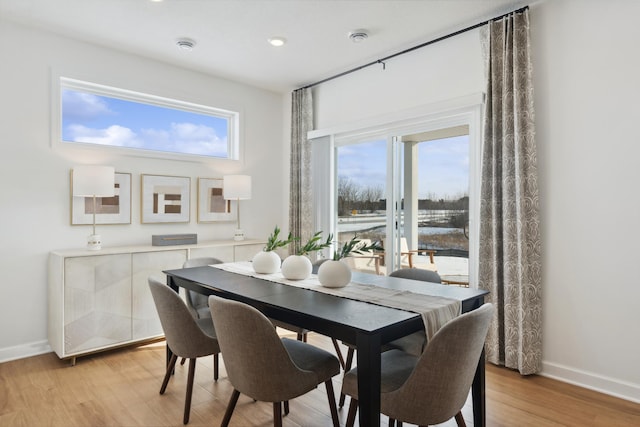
x=120 y=388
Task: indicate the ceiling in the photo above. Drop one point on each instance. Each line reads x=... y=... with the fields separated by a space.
x=231 y=35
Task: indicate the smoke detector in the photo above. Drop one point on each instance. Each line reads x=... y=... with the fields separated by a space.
x=358 y=36
x=185 y=44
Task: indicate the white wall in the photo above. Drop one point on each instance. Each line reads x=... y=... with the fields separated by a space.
x=35 y=177
x=440 y=72
x=586 y=72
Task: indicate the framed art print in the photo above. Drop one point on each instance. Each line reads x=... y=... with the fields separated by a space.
x=165 y=199
x=212 y=205
x=109 y=210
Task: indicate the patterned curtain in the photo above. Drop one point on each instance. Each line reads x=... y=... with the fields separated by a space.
x=510 y=247
x=300 y=202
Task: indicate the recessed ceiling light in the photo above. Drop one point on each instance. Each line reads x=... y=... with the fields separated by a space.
x=358 y=36
x=185 y=44
x=277 y=41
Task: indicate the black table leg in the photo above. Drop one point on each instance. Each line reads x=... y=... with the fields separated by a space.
x=369 y=379
x=478 y=394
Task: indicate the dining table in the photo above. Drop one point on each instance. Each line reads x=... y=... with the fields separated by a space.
x=366 y=325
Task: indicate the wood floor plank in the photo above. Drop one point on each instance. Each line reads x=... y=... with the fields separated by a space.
x=121 y=388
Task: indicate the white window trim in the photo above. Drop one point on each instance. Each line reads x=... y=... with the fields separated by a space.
x=459 y=111
x=60 y=82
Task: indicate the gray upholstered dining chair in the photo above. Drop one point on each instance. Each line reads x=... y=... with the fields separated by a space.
x=413 y=343
x=199 y=304
x=265 y=367
x=417 y=274
x=431 y=388
x=186 y=337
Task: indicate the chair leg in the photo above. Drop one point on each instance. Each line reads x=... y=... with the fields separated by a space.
x=338 y=352
x=187 y=399
x=167 y=376
x=277 y=414
x=286 y=407
x=351 y=415
x=347 y=366
x=392 y=422
x=460 y=420
x=216 y=366
x=230 y=407
x=331 y=395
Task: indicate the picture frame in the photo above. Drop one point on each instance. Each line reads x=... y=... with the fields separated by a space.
x=164 y=199
x=212 y=207
x=109 y=210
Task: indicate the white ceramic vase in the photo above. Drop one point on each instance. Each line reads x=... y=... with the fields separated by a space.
x=296 y=267
x=266 y=262
x=334 y=274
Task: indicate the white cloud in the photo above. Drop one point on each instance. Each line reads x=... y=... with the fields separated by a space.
x=115 y=135
x=83 y=106
x=179 y=138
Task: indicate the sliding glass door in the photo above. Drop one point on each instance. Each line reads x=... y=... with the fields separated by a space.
x=410 y=185
x=410 y=194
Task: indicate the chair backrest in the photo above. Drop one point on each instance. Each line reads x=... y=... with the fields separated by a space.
x=316 y=265
x=184 y=337
x=439 y=385
x=417 y=274
x=404 y=249
x=365 y=261
x=257 y=363
x=199 y=262
x=198 y=303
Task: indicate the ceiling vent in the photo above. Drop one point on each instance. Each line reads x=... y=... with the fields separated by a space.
x=185 y=44
x=358 y=36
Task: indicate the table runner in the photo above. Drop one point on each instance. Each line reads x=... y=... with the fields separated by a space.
x=435 y=311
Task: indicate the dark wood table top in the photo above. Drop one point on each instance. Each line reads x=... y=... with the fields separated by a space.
x=324 y=313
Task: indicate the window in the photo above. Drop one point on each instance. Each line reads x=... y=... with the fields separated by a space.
x=432 y=175
x=430 y=197
x=92 y=114
x=360 y=188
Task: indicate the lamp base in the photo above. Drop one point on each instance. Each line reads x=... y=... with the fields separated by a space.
x=239 y=234
x=94 y=242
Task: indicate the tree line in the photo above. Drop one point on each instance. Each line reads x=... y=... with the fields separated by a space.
x=369 y=198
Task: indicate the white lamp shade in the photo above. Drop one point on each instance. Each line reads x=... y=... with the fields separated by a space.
x=236 y=187
x=91 y=180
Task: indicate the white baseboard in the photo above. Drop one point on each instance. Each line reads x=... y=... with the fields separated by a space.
x=24 y=350
x=611 y=386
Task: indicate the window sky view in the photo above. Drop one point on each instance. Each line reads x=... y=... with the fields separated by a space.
x=443 y=166
x=103 y=120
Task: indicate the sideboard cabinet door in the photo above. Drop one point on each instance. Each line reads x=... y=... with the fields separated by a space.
x=97 y=302
x=146 y=323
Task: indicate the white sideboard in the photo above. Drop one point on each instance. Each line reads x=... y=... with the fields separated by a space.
x=99 y=300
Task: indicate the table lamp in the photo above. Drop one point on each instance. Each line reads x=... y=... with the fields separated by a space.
x=93 y=181
x=237 y=187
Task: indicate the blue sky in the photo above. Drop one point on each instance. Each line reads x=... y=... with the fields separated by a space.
x=443 y=166
x=109 y=121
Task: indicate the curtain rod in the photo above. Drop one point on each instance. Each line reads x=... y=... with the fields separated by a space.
x=411 y=49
